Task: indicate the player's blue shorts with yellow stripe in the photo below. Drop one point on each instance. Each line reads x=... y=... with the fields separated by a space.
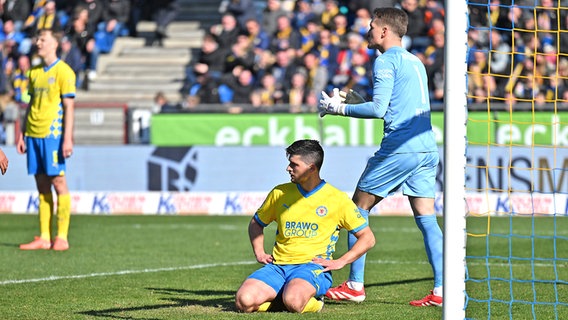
x=45 y=156
x=277 y=276
x=415 y=173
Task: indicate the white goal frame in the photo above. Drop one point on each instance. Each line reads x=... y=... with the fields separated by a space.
x=455 y=118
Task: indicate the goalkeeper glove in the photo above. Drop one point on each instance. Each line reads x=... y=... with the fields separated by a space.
x=351 y=97
x=331 y=105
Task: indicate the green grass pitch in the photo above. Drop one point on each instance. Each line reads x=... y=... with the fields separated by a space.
x=189 y=267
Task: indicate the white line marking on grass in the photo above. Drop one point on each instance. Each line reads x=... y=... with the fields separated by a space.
x=187 y=226
x=124 y=272
x=493 y=264
x=215 y=265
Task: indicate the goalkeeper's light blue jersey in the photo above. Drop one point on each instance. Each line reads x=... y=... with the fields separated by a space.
x=308 y=223
x=400 y=97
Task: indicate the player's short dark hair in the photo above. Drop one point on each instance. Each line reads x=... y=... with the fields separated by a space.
x=310 y=151
x=395 y=18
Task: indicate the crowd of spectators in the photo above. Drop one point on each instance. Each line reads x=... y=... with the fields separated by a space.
x=522 y=59
x=88 y=28
x=295 y=49
x=292 y=50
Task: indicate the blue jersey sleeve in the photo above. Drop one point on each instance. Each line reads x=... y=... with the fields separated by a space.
x=383 y=84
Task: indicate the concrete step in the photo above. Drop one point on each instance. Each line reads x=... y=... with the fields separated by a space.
x=137 y=69
x=106 y=62
x=154 y=53
x=135 y=86
x=130 y=97
x=174 y=27
x=156 y=77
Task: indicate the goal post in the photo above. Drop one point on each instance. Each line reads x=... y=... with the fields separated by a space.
x=455 y=115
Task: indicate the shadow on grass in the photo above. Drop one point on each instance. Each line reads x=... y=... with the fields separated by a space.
x=385 y=284
x=12 y=245
x=391 y=283
x=224 y=300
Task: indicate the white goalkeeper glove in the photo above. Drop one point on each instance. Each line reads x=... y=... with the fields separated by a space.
x=351 y=97
x=331 y=105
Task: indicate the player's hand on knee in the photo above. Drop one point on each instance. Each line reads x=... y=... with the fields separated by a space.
x=331 y=105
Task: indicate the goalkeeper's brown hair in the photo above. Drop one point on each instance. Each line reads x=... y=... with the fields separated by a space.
x=395 y=18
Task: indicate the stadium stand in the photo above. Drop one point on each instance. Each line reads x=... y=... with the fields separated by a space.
x=135 y=69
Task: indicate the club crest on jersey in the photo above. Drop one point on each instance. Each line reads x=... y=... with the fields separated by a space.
x=51 y=80
x=321 y=211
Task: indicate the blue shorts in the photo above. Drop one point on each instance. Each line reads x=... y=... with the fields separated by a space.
x=414 y=172
x=45 y=156
x=277 y=276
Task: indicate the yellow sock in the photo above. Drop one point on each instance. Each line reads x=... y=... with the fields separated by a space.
x=313 y=305
x=63 y=215
x=264 y=307
x=45 y=212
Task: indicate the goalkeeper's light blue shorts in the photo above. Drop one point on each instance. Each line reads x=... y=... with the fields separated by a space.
x=277 y=275
x=45 y=155
x=415 y=173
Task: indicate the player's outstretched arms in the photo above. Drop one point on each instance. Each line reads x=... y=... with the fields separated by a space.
x=331 y=105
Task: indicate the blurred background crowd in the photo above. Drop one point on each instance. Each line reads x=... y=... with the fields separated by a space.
x=296 y=49
x=266 y=53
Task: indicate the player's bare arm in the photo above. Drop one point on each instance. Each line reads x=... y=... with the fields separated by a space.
x=21 y=142
x=365 y=241
x=256 y=235
x=69 y=105
x=3 y=162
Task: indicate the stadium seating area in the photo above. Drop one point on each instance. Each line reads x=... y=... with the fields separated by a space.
x=272 y=55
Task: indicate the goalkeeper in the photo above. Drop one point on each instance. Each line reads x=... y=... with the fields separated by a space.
x=408 y=156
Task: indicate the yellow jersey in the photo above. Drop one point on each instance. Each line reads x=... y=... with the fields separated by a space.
x=48 y=85
x=308 y=223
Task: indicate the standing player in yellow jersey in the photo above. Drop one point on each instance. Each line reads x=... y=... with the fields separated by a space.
x=309 y=212
x=47 y=138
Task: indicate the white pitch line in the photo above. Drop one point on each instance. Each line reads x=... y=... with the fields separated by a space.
x=123 y=272
x=214 y=265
